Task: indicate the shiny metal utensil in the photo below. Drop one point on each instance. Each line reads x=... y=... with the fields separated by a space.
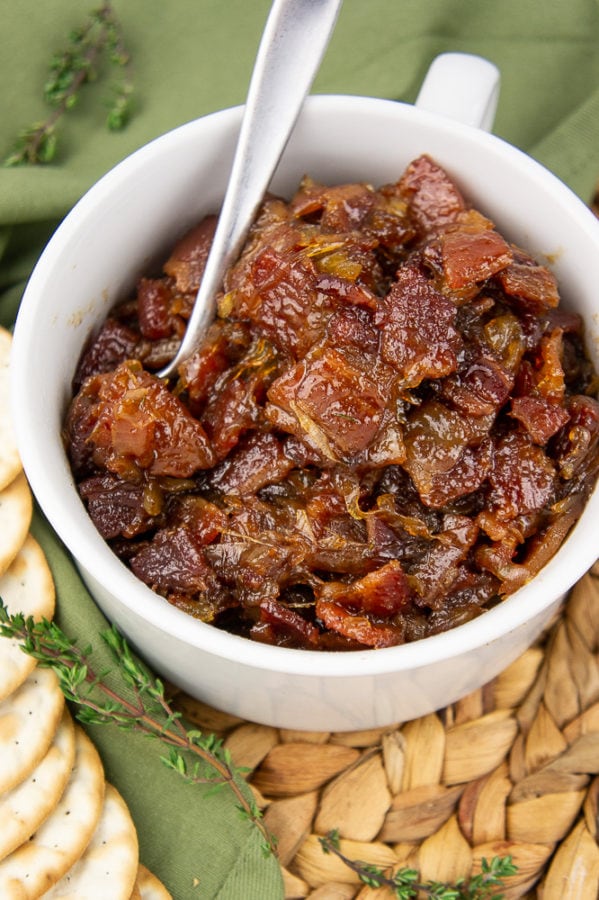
x=295 y=37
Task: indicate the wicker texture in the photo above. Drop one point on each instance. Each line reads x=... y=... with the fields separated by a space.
x=512 y=768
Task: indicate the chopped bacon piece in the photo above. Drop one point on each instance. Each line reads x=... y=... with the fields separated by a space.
x=382 y=593
x=351 y=292
x=332 y=404
x=434 y=200
x=569 y=322
x=234 y=403
x=346 y=207
x=469 y=473
x=203 y=519
x=387 y=448
x=134 y=411
x=468 y=258
x=550 y=381
x=389 y=220
x=523 y=478
x=445 y=455
x=285 y=623
x=418 y=333
x=541 y=418
x=435 y=574
x=230 y=412
x=199 y=372
x=172 y=562
x=342 y=207
x=254 y=463
x=435 y=437
x=480 y=388
x=358 y=628
x=116 y=507
x=535 y=284
x=188 y=258
x=355 y=328
x=280 y=297
x=153 y=308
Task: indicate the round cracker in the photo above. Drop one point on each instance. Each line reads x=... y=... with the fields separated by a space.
x=150 y=887
x=10 y=461
x=29 y=718
x=16 y=508
x=108 y=868
x=26 y=806
x=26 y=587
x=37 y=865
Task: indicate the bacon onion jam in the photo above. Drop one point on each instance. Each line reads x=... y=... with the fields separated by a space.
x=389 y=427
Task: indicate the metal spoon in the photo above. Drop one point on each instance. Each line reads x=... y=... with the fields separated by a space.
x=295 y=37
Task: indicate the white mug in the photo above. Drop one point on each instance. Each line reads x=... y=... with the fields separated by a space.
x=129 y=220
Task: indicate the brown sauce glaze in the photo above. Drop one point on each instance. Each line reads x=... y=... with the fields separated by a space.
x=390 y=426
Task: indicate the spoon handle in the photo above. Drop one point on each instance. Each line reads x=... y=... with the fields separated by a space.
x=295 y=37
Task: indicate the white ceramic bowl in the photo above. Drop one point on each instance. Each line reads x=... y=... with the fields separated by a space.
x=130 y=218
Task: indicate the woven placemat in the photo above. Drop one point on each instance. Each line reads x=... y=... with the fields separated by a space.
x=512 y=768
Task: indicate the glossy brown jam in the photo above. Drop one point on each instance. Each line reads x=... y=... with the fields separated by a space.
x=389 y=427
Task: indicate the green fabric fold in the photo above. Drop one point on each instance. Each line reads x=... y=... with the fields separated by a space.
x=191 y=58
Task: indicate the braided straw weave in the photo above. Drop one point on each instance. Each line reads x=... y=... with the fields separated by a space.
x=513 y=768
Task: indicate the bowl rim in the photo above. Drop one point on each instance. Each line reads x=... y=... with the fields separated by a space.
x=87 y=546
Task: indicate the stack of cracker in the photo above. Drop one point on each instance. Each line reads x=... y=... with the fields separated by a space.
x=64 y=831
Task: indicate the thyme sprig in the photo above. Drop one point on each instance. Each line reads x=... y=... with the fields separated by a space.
x=197 y=757
x=99 y=39
x=405 y=882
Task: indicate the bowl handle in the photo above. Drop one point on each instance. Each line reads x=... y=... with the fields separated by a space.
x=462 y=86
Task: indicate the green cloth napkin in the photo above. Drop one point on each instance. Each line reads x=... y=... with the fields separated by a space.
x=195 y=57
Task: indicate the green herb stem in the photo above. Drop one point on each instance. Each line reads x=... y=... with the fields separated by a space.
x=78 y=64
x=405 y=884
